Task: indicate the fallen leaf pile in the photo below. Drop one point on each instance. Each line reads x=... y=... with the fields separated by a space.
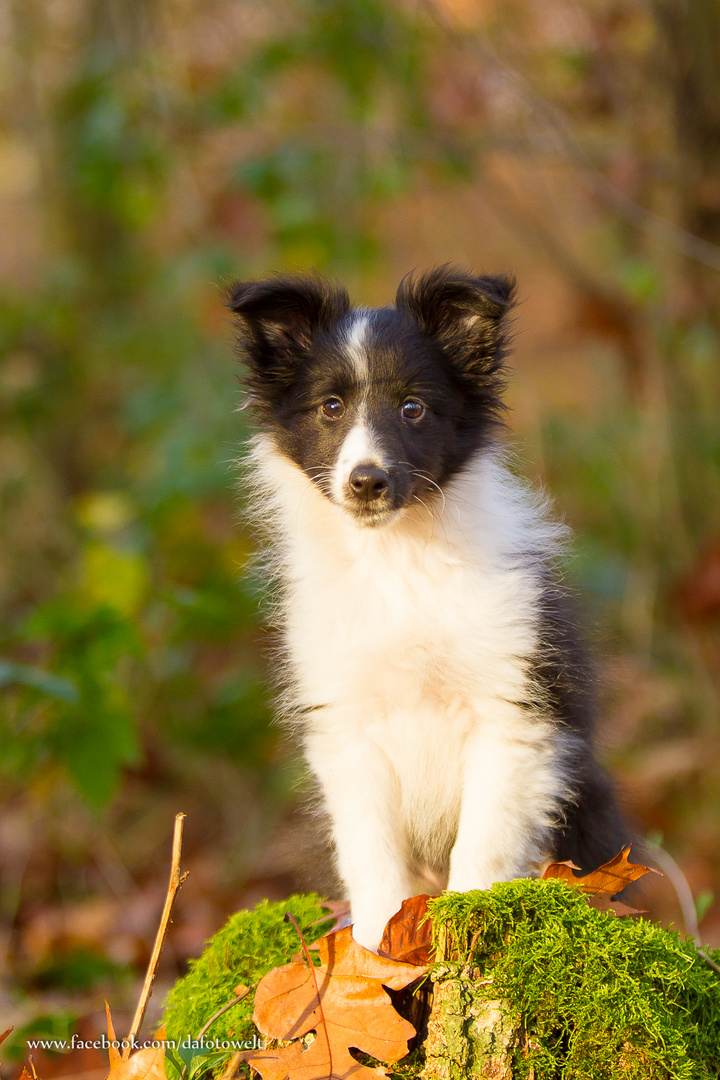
x=343 y=1001
x=602 y=884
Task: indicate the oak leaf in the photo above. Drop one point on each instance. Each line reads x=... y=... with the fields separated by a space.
x=343 y=1001
x=602 y=884
x=408 y=934
x=145 y=1064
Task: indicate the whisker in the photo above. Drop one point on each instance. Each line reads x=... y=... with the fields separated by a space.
x=322 y=474
x=422 y=476
x=429 y=511
x=428 y=480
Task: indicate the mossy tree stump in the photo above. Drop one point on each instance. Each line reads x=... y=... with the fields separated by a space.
x=530 y=983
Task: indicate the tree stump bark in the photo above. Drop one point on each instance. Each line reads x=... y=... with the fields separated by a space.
x=468 y=1036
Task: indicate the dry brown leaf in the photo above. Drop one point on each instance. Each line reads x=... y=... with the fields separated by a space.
x=602 y=902
x=113 y=1053
x=602 y=884
x=609 y=878
x=145 y=1064
x=5 y=1034
x=340 y=911
x=343 y=1001
x=408 y=935
x=24 y=1075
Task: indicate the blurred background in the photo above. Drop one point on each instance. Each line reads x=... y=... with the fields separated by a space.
x=152 y=150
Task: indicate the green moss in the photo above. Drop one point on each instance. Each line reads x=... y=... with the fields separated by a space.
x=249 y=945
x=599 y=997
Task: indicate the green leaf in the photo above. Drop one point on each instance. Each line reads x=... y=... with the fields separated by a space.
x=54 y=686
x=703 y=903
x=174 y=1065
x=94 y=745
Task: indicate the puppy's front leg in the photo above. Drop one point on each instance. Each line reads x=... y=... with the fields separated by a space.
x=511 y=787
x=362 y=797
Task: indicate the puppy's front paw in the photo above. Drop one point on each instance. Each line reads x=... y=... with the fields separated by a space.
x=368 y=930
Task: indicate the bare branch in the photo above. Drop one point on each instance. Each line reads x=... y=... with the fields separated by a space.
x=682 y=890
x=224 y=1009
x=174 y=885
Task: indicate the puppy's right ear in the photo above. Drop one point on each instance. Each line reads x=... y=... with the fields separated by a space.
x=467 y=315
x=278 y=320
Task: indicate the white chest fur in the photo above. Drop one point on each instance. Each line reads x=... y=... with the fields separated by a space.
x=410 y=649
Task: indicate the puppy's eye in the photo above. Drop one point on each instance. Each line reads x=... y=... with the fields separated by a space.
x=411 y=410
x=333 y=408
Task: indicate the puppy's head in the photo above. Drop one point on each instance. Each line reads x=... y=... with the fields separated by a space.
x=379 y=407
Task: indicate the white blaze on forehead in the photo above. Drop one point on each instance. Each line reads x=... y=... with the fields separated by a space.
x=355 y=343
x=358 y=448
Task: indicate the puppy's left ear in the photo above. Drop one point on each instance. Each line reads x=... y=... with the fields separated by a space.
x=278 y=320
x=465 y=314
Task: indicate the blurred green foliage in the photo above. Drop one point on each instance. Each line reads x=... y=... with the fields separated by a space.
x=130 y=619
x=56 y=1025
x=80 y=969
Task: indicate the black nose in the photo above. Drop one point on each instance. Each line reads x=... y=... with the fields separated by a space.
x=368 y=482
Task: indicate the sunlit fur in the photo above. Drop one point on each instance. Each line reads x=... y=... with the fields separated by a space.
x=443 y=699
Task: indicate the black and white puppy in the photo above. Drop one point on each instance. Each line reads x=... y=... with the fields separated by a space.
x=443 y=696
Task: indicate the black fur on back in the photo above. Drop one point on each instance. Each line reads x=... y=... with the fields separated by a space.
x=593 y=828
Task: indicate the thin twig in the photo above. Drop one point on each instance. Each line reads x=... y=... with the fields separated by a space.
x=290 y=918
x=211 y=1021
x=682 y=890
x=175 y=883
x=231 y=1067
x=685 y=897
x=707 y=960
x=224 y=1009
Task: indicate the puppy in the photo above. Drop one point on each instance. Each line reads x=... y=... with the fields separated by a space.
x=442 y=694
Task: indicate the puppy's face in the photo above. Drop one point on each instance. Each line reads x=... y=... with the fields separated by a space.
x=374 y=417
x=379 y=408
